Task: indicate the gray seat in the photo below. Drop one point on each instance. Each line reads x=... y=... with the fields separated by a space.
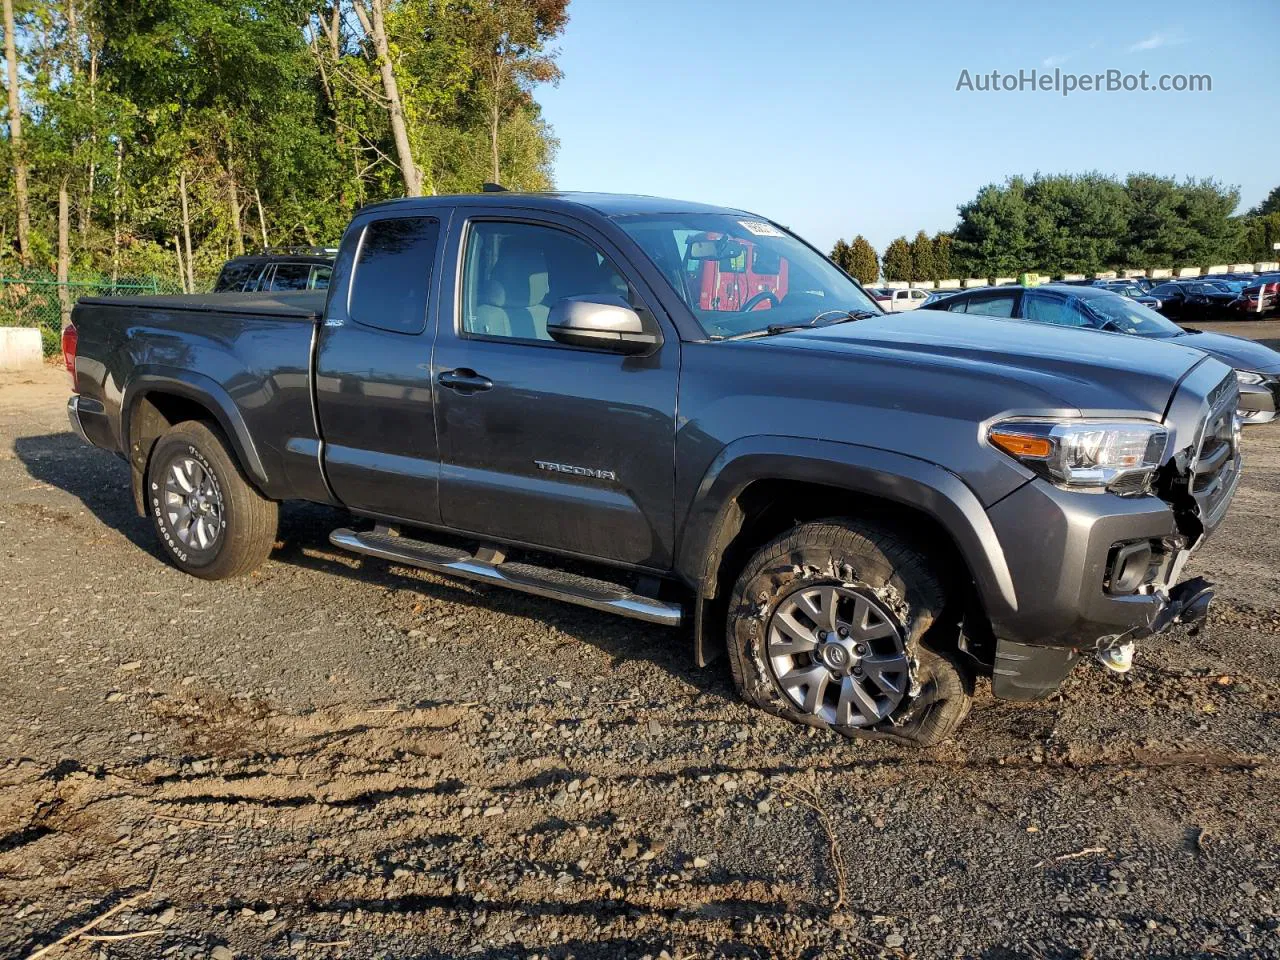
x=512 y=301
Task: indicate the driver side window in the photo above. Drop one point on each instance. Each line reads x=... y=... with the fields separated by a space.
x=514 y=272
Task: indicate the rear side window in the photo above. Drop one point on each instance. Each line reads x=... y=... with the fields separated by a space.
x=235 y=276
x=996 y=305
x=291 y=276
x=392 y=274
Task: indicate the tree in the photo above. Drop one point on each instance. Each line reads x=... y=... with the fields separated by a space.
x=507 y=40
x=841 y=256
x=372 y=17
x=922 y=265
x=897 y=260
x=942 y=256
x=1270 y=205
x=16 y=145
x=864 y=263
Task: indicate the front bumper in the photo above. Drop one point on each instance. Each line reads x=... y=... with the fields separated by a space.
x=1026 y=672
x=1069 y=543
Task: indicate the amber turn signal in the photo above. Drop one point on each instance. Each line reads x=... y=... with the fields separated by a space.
x=1021 y=445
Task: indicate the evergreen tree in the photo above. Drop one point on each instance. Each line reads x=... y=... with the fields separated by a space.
x=897 y=260
x=864 y=261
x=922 y=265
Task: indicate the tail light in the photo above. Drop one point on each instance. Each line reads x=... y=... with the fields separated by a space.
x=69 y=342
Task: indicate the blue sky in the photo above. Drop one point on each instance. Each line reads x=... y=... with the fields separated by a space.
x=842 y=118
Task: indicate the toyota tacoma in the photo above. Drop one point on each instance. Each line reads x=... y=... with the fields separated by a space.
x=685 y=414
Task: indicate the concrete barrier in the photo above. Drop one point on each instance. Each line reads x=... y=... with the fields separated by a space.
x=922 y=285
x=975 y=282
x=1072 y=276
x=948 y=284
x=1187 y=272
x=1105 y=275
x=1217 y=268
x=1004 y=281
x=20 y=348
x=1266 y=266
x=898 y=285
x=1242 y=268
x=1159 y=273
x=1130 y=274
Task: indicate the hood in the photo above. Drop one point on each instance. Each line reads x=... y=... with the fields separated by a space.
x=1236 y=351
x=1088 y=370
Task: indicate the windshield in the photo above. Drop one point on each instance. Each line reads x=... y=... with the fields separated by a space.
x=738 y=275
x=1128 y=316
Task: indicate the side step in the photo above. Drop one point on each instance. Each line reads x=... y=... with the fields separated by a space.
x=487 y=567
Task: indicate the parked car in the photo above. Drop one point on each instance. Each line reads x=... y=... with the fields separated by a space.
x=1144 y=284
x=893 y=300
x=277 y=270
x=527 y=390
x=1198 y=300
x=1133 y=291
x=1265 y=290
x=1091 y=308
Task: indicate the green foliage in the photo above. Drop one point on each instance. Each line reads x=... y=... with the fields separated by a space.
x=922 y=262
x=1259 y=234
x=864 y=262
x=842 y=256
x=942 y=269
x=1268 y=206
x=272 y=111
x=1089 y=222
x=897 y=260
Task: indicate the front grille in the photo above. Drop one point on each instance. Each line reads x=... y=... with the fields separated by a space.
x=1214 y=469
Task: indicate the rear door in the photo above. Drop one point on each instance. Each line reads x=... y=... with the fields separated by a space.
x=549 y=445
x=373 y=367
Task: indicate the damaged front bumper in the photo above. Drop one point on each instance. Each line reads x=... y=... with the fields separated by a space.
x=1025 y=671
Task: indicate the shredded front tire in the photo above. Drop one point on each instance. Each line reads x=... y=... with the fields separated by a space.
x=825 y=627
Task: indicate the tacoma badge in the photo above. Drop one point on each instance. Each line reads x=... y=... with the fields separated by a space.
x=576 y=471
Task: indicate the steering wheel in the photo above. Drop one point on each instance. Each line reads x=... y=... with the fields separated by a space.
x=759 y=298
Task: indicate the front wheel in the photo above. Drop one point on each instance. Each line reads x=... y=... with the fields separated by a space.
x=825 y=627
x=209 y=519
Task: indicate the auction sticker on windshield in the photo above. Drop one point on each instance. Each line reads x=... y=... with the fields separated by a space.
x=759 y=228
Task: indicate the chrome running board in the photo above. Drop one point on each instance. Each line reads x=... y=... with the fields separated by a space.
x=487 y=567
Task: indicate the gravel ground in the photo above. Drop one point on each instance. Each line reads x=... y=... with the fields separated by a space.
x=338 y=757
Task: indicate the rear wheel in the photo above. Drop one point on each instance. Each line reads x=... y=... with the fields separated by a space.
x=825 y=627
x=210 y=520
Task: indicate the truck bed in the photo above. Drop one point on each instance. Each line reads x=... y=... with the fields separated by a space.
x=244 y=358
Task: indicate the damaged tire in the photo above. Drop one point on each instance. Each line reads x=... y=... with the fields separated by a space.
x=825 y=628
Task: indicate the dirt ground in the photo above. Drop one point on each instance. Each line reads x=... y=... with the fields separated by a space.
x=338 y=757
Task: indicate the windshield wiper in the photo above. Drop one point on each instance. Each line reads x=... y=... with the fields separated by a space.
x=841 y=316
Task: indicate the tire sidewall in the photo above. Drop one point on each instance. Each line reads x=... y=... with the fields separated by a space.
x=840 y=556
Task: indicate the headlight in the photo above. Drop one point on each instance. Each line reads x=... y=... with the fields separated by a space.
x=1119 y=456
x=1248 y=376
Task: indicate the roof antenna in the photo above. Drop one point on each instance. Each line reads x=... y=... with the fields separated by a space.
x=493 y=188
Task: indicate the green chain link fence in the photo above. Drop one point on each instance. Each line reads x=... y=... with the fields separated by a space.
x=31 y=299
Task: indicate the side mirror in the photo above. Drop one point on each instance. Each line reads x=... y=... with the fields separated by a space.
x=600 y=321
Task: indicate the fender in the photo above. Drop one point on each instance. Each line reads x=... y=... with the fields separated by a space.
x=714 y=517
x=203 y=390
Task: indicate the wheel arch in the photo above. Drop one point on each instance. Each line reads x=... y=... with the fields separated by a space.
x=157 y=399
x=760 y=486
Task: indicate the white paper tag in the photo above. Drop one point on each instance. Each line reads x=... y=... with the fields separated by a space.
x=760 y=228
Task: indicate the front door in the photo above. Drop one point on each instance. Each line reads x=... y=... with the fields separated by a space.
x=544 y=444
x=373 y=368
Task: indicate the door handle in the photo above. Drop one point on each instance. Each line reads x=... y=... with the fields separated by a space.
x=464 y=380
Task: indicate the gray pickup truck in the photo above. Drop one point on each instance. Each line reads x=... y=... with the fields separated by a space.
x=687 y=415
